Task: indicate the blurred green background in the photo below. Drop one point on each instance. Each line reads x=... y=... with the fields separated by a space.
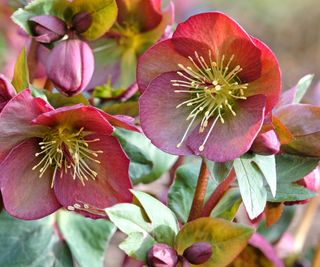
x=291 y=28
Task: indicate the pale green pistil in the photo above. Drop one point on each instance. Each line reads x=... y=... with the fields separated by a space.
x=213 y=88
x=66 y=151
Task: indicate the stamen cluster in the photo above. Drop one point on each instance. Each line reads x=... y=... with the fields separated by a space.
x=64 y=150
x=213 y=87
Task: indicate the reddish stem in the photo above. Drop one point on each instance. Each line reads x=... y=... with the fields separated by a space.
x=174 y=168
x=200 y=193
x=218 y=194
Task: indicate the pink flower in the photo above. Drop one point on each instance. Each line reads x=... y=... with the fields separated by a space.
x=59 y=157
x=207 y=90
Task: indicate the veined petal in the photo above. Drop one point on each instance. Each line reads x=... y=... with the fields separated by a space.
x=111 y=185
x=77 y=116
x=25 y=195
x=269 y=84
x=159 y=59
x=16 y=120
x=213 y=28
x=235 y=136
x=161 y=121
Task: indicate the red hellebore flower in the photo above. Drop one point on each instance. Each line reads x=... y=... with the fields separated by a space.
x=59 y=157
x=207 y=90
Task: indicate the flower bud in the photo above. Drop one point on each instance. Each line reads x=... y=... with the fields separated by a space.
x=198 y=253
x=161 y=255
x=6 y=91
x=81 y=22
x=70 y=66
x=266 y=143
x=47 y=28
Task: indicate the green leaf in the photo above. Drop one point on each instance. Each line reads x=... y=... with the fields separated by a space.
x=181 y=192
x=227 y=239
x=103 y=12
x=219 y=170
x=31 y=243
x=86 y=238
x=291 y=192
x=228 y=205
x=130 y=219
x=267 y=165
x=129 y=108
x=302 y=87
x=20 y=79
x=274 y=233
x=128 y=68
x=58 y=100
x=291 y=168
x=147 y=162
x=164 y=222
x=252 y=189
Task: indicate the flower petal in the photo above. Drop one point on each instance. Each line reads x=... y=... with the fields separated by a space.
x=121 y=121
x=16 y=117
x=25 y=195
x=159 y=59
x=161 y=121
x=6 y=91
x=211 y=28
x=76 y=117
x=235 y=136
x=111 y=185
x=269 y=84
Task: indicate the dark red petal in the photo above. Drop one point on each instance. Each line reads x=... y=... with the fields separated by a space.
x=233 y=138
x=25 y=195
x=161 y=121
x=111 y=185
x=213 y=28
x=269 y=84
x=121 y=121
x=159 y=59
x=16 y=118
x=76 y=117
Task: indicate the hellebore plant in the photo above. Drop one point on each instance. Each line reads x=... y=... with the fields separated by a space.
x=6 y=91
x=206 y=90
x=59 y=157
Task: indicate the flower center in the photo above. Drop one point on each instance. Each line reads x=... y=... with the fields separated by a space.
x=214 y=89
x=67 y=151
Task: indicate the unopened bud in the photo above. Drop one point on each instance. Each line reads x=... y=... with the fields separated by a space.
x=198 y=253
x=6 y=91
x=266 y=143
x=81 y=22
x=70 y=66
x=161 y=255
x=47 y=28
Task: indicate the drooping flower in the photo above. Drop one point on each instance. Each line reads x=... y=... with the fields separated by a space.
x=139 y=25
x=207 y=90
x=70 y=66
x=47 y=28
x=6 y=91
x=59 y=157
